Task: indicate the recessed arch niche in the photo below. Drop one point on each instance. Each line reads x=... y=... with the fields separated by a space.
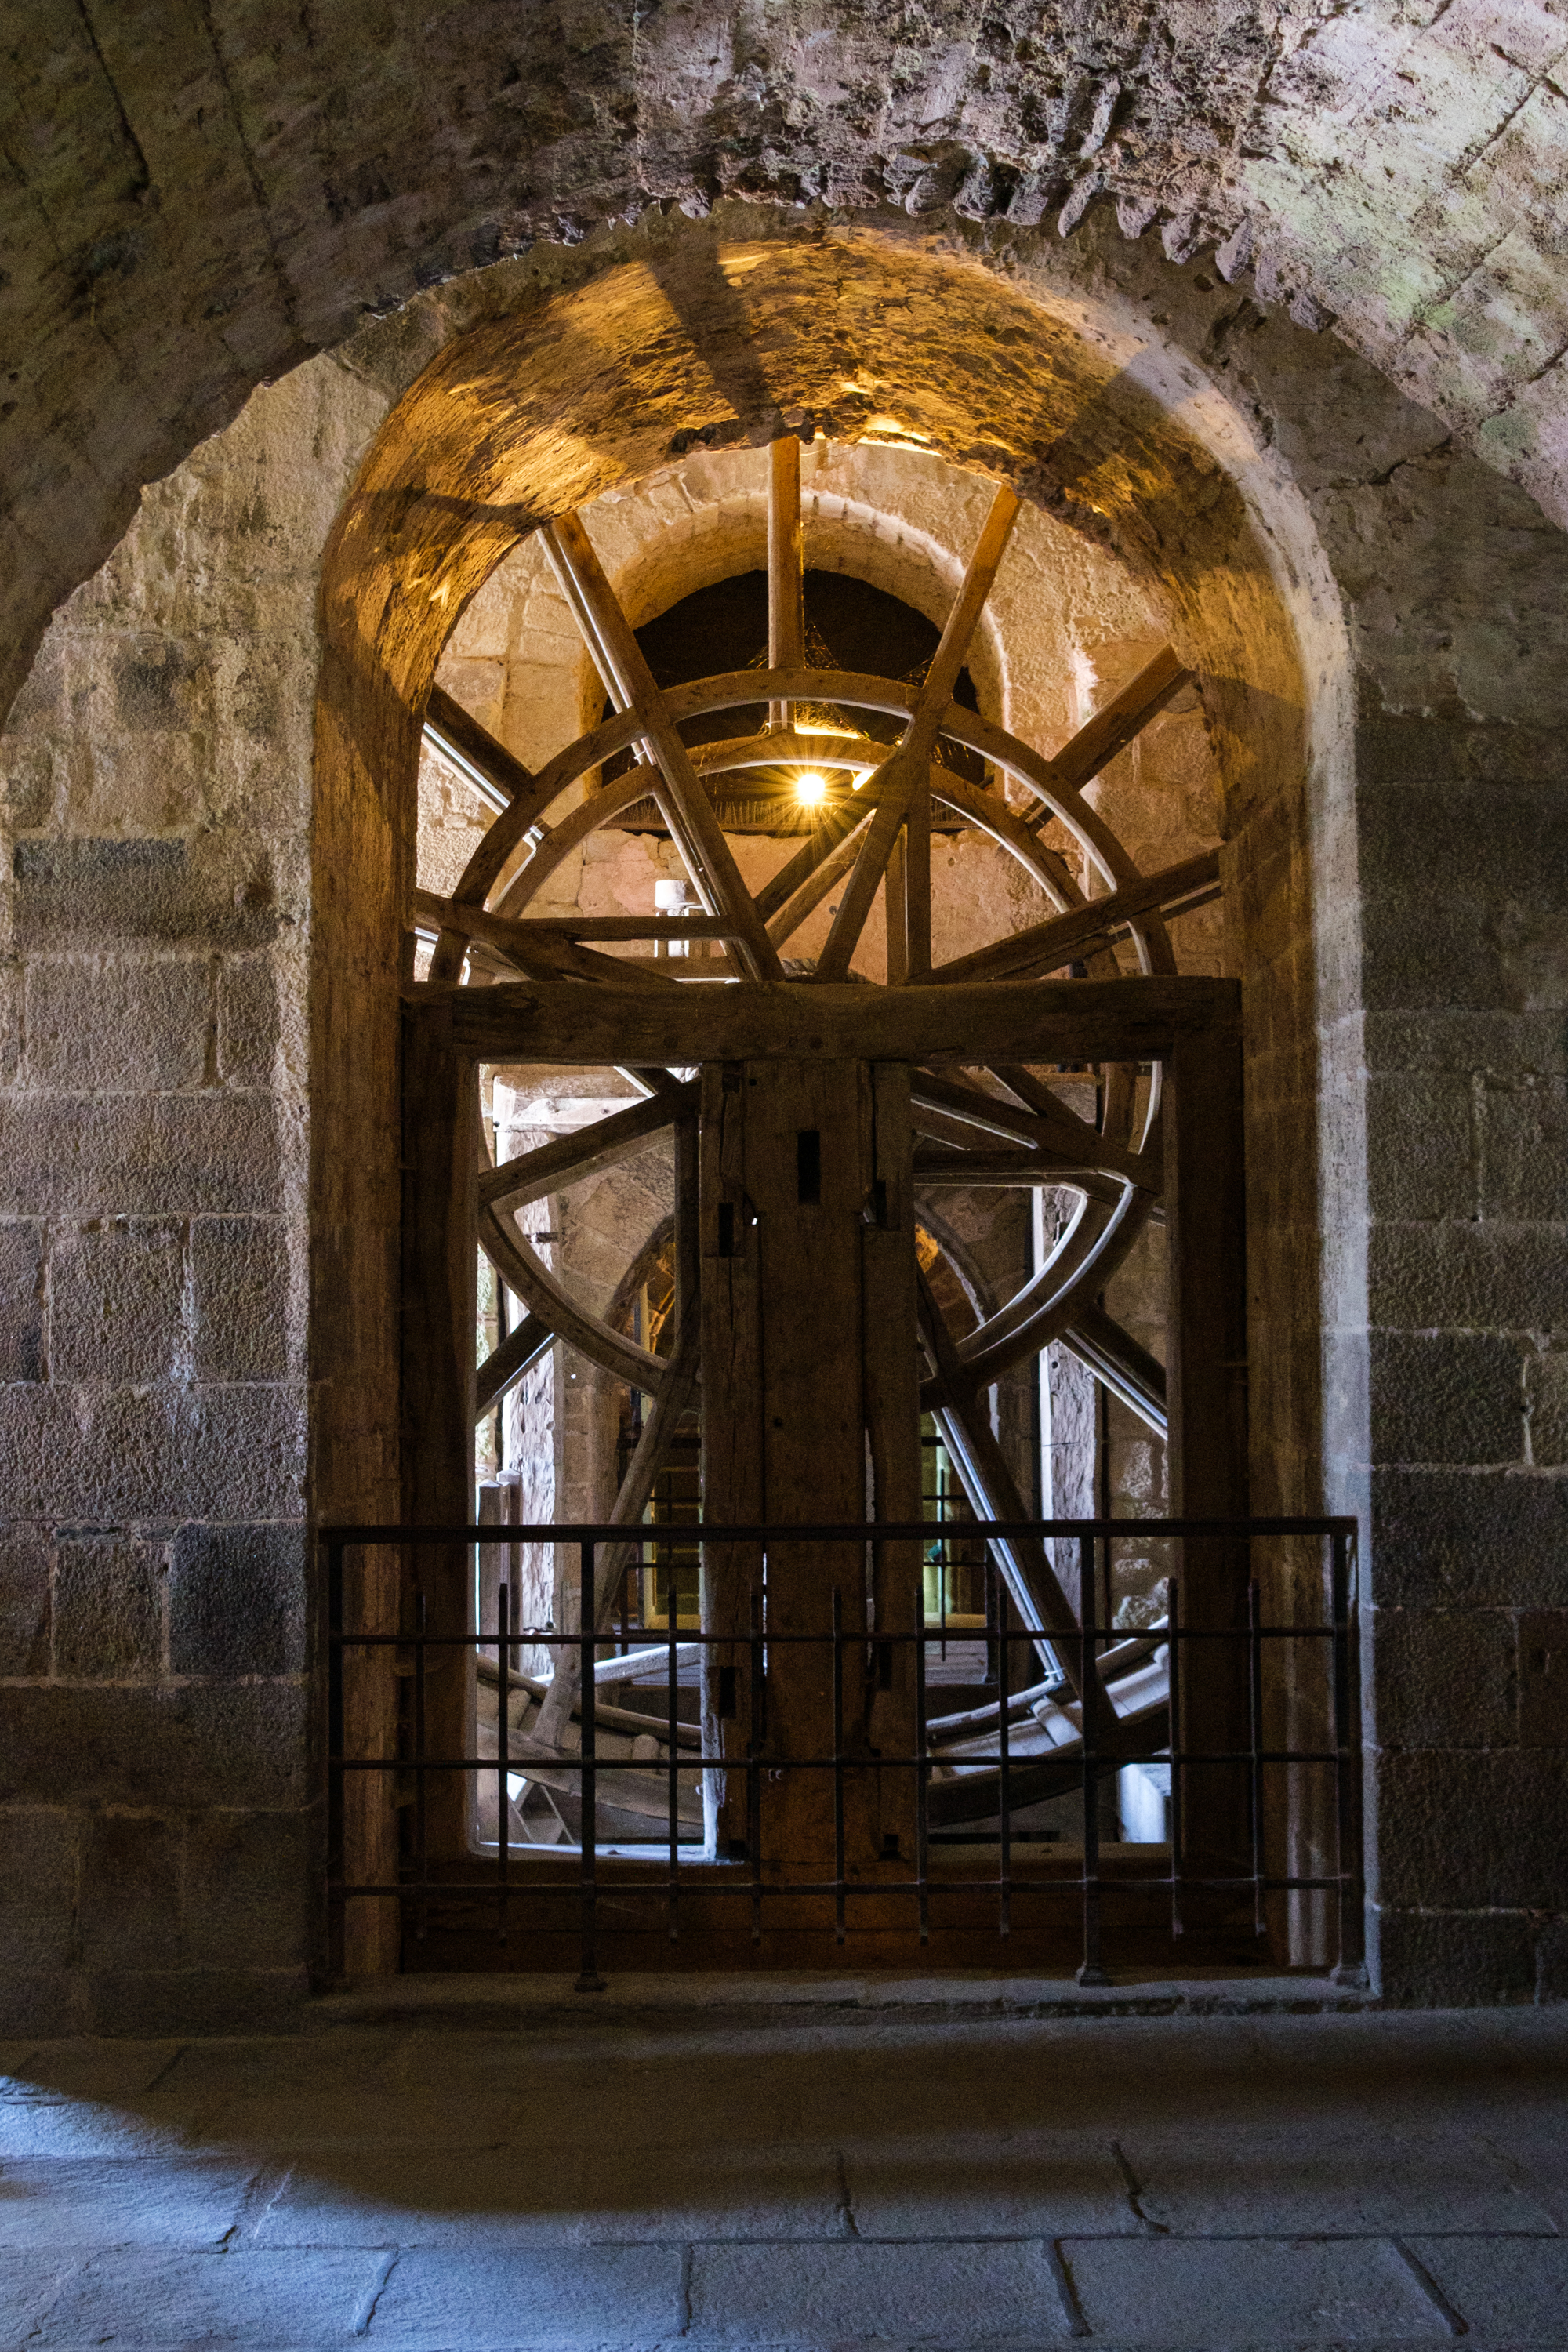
x=531 y=416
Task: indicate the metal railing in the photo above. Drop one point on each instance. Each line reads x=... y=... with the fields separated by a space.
x=1295 y=1684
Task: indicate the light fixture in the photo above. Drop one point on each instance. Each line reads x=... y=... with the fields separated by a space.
x=810 y=790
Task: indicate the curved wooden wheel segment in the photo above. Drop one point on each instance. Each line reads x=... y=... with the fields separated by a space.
x=1003 y=1126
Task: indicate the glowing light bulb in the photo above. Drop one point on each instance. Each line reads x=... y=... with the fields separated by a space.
x=810 y=789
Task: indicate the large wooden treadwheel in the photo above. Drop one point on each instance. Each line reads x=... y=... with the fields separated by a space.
x=950 y=1118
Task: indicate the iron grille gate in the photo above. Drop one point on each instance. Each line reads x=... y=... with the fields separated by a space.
x=1322 y=1712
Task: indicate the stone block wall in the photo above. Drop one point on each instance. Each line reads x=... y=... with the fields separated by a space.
x=158 y=1812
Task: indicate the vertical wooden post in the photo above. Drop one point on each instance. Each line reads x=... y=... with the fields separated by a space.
x=440 y=1258
x=1206 y=1375
x=731 y=1435
x=889 y=1325
x=786 y=567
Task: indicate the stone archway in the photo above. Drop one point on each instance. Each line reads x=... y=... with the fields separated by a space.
x=527 y=417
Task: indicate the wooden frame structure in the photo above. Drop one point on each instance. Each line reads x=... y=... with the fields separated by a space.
x=818 y=1108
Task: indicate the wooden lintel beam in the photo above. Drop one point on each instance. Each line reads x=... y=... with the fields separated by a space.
x=1056 y=1020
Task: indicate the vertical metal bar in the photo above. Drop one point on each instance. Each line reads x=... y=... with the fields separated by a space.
x=337 y=1861
x=1005 y=1681
x=588 y=1980
x=1090 y=1971
x=758 y=1733
x=839 y=1856
x=421 y=1820
x=672 y=1631
x=503 y=1728
x=1255 y=1725
x=922 y=1770
x=1178 y=1792
x=1347 y=1774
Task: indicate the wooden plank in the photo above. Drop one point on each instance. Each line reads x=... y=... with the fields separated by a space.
x=688 y=810
x=733 y=1489
x=440 y=1127
x=1064 y=938
x=1205 y=1381
x=890 y=1377
x=1056 y=1020
x=1110 y=730
x=808 y=1176
x=906 y=771
x=786 y=567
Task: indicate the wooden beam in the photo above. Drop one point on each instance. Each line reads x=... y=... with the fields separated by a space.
x=540 y=1292
x=569 y=1158
x=890 y=1378
x=544 y=952
x=1119 y=1364
x=686 y=806
x=441 y=1129
x=505 y=1366
x=1060 y=1021
x=458 y=735
x=905 y=773
x=1110 y=730
x=1062 y=939
x=1206 y=1377
x=825 y=875
x=1054 y=1129
x=786 y=567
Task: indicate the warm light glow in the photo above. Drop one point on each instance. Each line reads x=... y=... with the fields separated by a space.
x=810 y=789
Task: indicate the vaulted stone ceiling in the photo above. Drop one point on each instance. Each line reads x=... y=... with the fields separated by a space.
x=198 y=192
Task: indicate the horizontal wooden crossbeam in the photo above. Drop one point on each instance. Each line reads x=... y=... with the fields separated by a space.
x=1046 y=1021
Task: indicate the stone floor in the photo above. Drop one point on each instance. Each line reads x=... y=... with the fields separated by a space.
x=521 y=2170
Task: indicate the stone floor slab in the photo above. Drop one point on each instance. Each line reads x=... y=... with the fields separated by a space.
x=1507 y=2291
x=548 y=2196
x=133 y=2299
x=143 y=2200
x=620 y=2295
x=30 y=2282
x=1333 y=2176
x=909 y=2294
x=1217 y=2293
x=963 y=2182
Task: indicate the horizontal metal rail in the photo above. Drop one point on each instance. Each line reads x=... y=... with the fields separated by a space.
x=744 y=1876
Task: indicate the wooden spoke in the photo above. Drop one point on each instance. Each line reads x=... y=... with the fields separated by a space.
x=1001 y=1171
x=672 y=1393
x=828 y=874
x=571 y=1158
x=686 y=807
x=505 y=1366
x=834 y=830
x=540 y=950
x=1110 y=730
x=1117 y=1361
x=1053 y=1129
x=1046 y=947
x=524 y=1272
x=983 y=1468
x=905 y=772
x=786 y=567
x=460 y=738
